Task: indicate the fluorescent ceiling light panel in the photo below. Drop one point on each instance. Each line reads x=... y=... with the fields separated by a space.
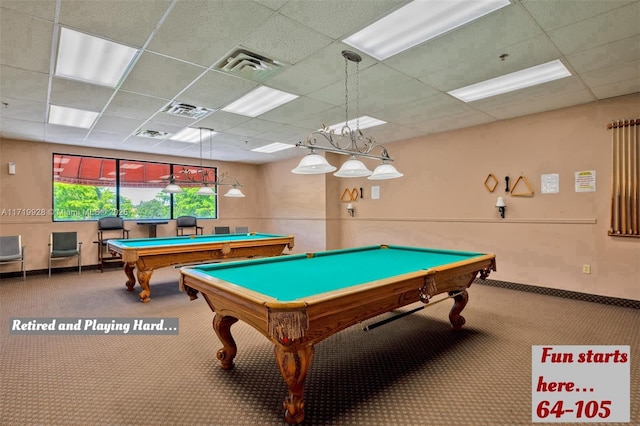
x=259 y=101
x=364 y=122
x=92 y=59
x=417 y=22
x=273 y=147
x=538 y=74
x=189 y=134
x=72 y=117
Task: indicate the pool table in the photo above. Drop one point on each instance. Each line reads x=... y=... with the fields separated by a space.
x=148 y=254
x=298 y=300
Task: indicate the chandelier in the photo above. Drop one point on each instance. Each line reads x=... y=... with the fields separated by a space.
x=347 y=140
x=206 y=178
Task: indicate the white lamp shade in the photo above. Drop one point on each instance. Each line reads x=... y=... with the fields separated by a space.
x=205 y=190
x=353 y=168
x=234 y=192
x=500 y=202
x=313 y=164
x=385 y=171
x=172 y=188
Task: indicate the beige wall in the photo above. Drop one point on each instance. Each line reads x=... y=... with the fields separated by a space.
x=441 y=202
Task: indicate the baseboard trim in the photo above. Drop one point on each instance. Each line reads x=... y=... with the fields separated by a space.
x=35 y=272
x=586 y=297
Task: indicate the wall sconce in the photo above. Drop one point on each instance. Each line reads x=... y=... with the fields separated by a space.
x=12 y=168
x=351 y=209
x=501 y=206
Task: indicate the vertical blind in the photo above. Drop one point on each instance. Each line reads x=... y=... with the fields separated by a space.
x=625 y=174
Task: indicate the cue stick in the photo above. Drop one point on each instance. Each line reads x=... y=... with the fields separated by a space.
x=613 y=167
x=617 y=179
x=404 y=314
x=623 y=181
x=634 y=183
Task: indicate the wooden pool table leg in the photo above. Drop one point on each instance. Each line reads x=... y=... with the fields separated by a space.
x=131 y=279
x=144 y=276
x=460 y=301
x=294 y=363
x=222 y=327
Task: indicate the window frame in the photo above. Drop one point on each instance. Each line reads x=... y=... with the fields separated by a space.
x=174 y=169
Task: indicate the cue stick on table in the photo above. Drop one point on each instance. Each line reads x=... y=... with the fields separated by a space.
x=404 y=314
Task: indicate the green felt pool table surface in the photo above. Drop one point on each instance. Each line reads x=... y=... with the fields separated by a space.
x=189 y=240
x=295 y=277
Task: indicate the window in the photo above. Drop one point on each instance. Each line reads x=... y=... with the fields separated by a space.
x=88 y=188
x=84 y=188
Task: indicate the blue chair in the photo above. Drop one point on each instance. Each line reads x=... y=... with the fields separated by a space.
x=65 y=245
x=12 y=251
x=221 y=230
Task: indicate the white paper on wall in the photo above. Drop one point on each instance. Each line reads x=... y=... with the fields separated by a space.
x=586 y=181
x=550 y=183
x=375 y=192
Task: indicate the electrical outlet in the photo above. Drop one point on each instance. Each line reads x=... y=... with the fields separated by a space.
x=586 y=269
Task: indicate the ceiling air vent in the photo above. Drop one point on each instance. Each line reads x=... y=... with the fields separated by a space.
x=152 y=134
x=249 y=65
x=186 y=110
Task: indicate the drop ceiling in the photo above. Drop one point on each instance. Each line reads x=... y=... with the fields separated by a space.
x=184 y=46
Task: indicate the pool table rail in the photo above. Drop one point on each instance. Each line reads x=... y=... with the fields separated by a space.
x=324 y=314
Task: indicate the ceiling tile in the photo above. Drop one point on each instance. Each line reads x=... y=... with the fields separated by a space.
x=216 y=90
x=221 y=121
x=617 y=89
x=339 y=18
x=20 y=129
x=20 y=34
x=133 y=105
x=612 y=74
x=79 y=95
x=129 y=22
x=22 y=109
x=320 y=69
x=372 y=80
x=487 y=64
x=621 y=51
x=22 y=84
x=65 y=134
x=99 y=138
x=160 y=76
x=556 y=94
x=286 y=134
x=552 y=14
x=116 y=125
x=303 y=111
x=479 y=39
x=253 y=127
x=207 y=45
x=599 y=30
x=286 y=39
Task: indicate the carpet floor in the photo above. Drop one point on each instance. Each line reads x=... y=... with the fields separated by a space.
x=413 y=371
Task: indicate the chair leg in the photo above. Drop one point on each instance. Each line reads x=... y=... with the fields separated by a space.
x=49 y=266
x=24 y=272
x=79 y=265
